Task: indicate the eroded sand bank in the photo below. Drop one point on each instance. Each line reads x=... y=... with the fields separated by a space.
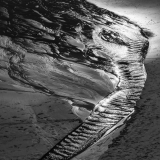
x=37 y=119
x=140 y=139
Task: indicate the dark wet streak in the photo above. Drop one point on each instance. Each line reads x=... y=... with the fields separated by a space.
x=88 y=56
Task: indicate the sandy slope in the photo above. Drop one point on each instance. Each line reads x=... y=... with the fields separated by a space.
x=141 y=139
x=145 y=13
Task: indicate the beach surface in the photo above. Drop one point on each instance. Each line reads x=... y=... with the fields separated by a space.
x=140 y=139
x=42 y=98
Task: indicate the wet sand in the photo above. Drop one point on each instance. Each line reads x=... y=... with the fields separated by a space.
x=49 y=80
x=140 y=139
x=40 y=124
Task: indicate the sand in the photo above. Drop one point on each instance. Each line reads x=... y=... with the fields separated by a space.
x=140 y=139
